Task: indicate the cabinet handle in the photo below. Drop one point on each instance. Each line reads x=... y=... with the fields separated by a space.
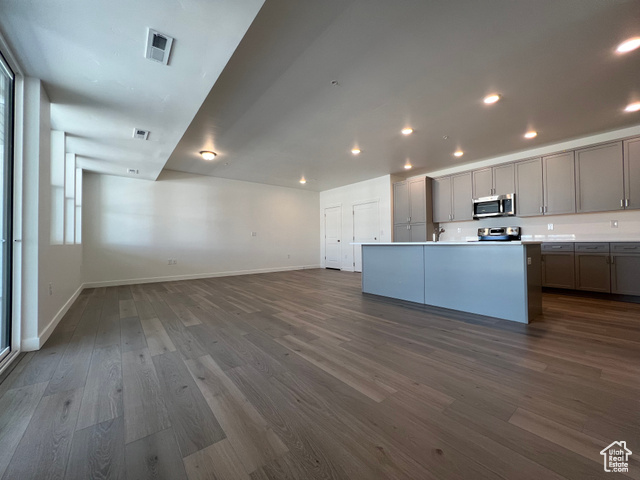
x=613 y=259
x=545 y=209
x=540 y=209
x=626 y=202
x=608 y=260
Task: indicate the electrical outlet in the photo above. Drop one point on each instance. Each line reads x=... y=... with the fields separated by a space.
x=254 y=234
x=175 y=261
x=459 y=230
x=614 y=223
x=288 y=255
x=169 y=261
x=51 y=289
x=549 y=226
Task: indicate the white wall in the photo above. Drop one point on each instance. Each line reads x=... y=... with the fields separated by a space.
x=132 y=227
x=43 y=263
x=346 y=197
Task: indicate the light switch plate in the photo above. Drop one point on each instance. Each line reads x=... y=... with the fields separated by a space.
x=614 y=223
x=549 y=226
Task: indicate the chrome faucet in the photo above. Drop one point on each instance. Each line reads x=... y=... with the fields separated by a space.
x=436 y=236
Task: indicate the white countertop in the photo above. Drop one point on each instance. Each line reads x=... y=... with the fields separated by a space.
x=438 y=244
x=582 y=238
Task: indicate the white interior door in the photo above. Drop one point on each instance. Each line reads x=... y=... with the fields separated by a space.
x=332 y=235
x=366 y=229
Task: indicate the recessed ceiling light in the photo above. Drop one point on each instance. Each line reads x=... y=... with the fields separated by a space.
x=408 y=166
x=628 y=45
x=355 y=151
x=531 y=134
x=458 y=153
x=208 y=155
x=632 y=107
x=303 y=181
x=493 y=98
x=407 y=131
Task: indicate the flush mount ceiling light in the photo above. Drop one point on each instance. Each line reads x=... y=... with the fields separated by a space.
x=531 y=134
x=632 y=107
x=493 y=98
x=628 y=45
x=355 y=151
x=458 y=153
x=407 y=131
x=207 y=155
x=303 y=181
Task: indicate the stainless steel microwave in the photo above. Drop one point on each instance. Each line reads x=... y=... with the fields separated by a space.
x=494 y=206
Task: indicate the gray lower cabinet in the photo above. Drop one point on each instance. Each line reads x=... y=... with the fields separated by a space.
x=600 y=178
x=558 y=265
x=414 y=232
x=625 y=268
x=593 y=271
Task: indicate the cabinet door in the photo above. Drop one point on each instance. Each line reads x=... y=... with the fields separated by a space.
x=401 y=233
x=593 y=272
x=558 y=270
x=400 y=203
x=418 y=232
x=529 y=199
x=625 y=274
x=632 y=173
x=482 y=183
x=442 y=199
x=599 y=178
x=417 y=201
x=504 y=179
x=462 y=204
x=558 y=173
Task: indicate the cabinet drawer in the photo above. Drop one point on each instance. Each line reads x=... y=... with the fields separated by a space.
x=557 y=247
x=629 y=247
x=592 y=247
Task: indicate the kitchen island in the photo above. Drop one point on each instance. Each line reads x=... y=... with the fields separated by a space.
x=497 y=279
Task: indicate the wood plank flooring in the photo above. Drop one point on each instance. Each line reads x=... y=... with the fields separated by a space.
x=298 y=375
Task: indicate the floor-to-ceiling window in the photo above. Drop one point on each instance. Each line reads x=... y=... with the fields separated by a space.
x=6 y=203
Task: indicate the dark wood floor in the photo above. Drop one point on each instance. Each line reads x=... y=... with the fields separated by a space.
x=298 y=375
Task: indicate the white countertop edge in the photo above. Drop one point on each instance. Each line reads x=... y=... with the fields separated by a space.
x=437 y=244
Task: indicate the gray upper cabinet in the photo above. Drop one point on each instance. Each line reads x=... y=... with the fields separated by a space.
x=461 y=194
x=482 y=182
x=504 y=179
x=442 y=200
x=494 y=181
x=558 y=174
x=400 y=203
x=417 y=200
x=600 y=178
x=528 y=177
x=632 y=173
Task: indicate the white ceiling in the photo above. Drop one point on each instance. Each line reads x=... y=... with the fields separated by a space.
x=273 y=115
x=90 y=56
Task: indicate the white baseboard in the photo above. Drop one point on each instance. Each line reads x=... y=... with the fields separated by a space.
x=347 y=269
x=35 y=343
x=135 y=281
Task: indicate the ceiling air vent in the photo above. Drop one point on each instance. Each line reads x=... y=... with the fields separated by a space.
x=140 y=134
x=133 y=171
x=158 y=46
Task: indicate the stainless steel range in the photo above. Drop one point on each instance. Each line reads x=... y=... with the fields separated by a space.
x=493 y=234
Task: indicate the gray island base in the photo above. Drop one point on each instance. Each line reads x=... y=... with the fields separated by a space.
x=496 y=279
